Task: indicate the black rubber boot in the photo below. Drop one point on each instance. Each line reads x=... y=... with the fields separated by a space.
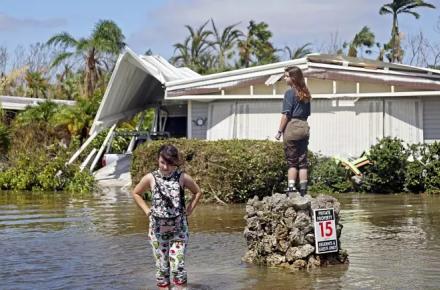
x=303 y=188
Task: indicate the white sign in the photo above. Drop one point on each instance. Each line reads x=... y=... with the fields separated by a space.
x=325 y=231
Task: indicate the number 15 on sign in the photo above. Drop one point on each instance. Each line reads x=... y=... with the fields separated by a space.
x=325 y=231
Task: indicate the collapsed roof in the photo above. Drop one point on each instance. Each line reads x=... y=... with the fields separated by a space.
x=136 y=84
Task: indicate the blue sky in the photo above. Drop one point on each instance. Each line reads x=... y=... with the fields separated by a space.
x=157 y=25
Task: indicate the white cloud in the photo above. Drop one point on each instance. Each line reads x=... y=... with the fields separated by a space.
x=292 y=22
x=11 y=24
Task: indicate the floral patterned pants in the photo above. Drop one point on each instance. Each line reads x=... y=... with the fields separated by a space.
x=169 y=248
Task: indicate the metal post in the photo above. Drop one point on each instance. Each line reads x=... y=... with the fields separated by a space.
x=156 y=119
x=81 y=149
x=189 y=120
x=87 y=160
x=133 y=139
x=101 y=150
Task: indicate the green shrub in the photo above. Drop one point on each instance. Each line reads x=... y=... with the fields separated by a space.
x=233 y=170
x=39 y=171
x=423 y=172
x=80 y=182
x=119 y=143
x=415 y=172
x=4 y=139
x=329 y=177
x=386 y=174
x=37 y=162
x=432 y=168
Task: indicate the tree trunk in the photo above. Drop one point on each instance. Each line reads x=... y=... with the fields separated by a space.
x=394 y=35
x=91 y=73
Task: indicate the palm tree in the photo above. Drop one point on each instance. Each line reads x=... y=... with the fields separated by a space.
x=37 y=85
x=106 y=39
x=193 y=49
x=395 y=8
x=298 y=52
x=224 y=43
x=363 y=38
x=77 y=119
x=256 y=48
x=43 y=112
x=68 y=85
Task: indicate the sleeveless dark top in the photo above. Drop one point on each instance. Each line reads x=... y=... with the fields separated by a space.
x=168 y=198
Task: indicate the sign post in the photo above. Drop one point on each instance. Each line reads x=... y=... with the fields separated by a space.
x=325 y=231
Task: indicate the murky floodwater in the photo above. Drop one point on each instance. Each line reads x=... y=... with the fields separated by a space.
x=57 y=242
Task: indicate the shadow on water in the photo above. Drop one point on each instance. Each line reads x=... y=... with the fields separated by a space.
x=56 y=241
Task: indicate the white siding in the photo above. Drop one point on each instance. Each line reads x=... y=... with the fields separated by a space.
x=244 y=119
x=431 y=119
x=404 y=119
x=346 y=131
x=258 y=119
x=221 y=117
x=337 y=128
x=199 y=110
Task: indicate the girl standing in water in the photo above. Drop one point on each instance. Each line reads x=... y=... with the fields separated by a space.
x=168 y=214
x=295 y=129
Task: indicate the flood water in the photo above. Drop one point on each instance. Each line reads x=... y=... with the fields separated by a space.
x=52 y=241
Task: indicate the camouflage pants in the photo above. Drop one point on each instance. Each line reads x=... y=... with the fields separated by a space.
x=296 y=153
x=169 y=250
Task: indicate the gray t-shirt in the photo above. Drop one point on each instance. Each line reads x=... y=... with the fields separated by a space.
x=293 y=107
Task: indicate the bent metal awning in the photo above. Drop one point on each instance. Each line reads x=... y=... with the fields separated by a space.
x=136 y=84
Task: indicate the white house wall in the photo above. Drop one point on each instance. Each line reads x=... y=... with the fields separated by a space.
x=431 y=119
x=199 y=110
x=316 y=86
x=337 y=127
x=257 y=120
x=346 y=131
x=404 y=119
x=349 y=131
x=221 y=120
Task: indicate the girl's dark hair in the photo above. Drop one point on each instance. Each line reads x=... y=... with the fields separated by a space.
x=297 y=77
x=170 y=154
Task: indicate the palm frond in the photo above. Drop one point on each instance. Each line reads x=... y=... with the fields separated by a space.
x=385 y=10
x=64 y=39
x=415 y=14
x=60 y=58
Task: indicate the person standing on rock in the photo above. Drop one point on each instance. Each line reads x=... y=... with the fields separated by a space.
x=168 y=230
x=295 y=129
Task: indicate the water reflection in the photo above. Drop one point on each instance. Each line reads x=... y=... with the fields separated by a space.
x=56 y=241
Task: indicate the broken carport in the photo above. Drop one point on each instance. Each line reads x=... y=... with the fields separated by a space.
x=137 y=83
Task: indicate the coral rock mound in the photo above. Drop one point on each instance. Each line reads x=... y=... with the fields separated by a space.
x=280 y=232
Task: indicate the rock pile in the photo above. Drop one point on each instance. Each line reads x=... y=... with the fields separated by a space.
x=280 y=231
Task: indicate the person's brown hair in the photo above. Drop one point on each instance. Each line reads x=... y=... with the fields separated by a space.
x=299 y=83
x=170 y=154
